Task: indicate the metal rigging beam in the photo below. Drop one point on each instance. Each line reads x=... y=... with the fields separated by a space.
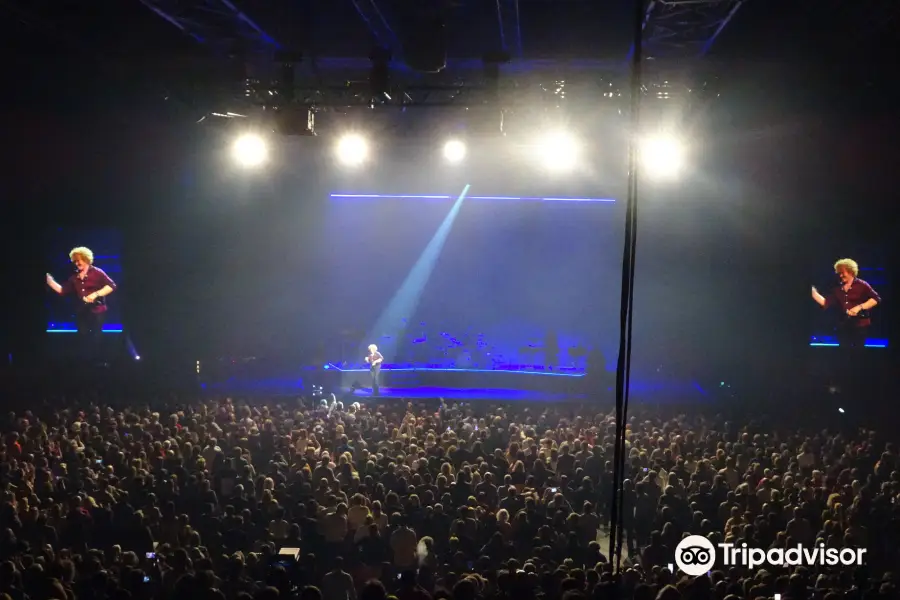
x=218 y=23
x=327 y=81
x=679 y=30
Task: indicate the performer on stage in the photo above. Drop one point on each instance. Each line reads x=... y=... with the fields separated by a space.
x=91 y=286
x=375 y=359
x=854 y=298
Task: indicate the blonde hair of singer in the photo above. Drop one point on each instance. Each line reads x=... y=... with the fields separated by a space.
x=81 y=252
x=372 y=347
x=849 y=264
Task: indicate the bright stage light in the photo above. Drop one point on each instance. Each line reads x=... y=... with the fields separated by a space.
x=454 y=150
x=250 y=150
x=662 y=157
x=559 y=151
x=352 y=150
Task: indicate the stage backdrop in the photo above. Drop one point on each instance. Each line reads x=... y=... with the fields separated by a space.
x=506 y=283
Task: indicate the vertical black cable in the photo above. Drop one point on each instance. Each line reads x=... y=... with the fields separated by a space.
x=623 y=366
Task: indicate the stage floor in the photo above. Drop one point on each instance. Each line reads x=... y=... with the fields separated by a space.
x=295 y=386
x=467 y=394
x=656 y=392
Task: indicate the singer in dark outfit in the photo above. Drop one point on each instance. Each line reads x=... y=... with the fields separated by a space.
x=375 y=359
x=90 y=285
x=854 y=299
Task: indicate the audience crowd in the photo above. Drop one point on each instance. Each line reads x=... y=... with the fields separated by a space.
x=220 y=500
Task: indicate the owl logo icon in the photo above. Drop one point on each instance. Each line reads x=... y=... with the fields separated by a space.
x=695 y=555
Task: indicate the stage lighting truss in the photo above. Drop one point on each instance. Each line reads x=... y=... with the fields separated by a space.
x=376 y=82
x=343 y=90
x=675 y=31
x=557 y=151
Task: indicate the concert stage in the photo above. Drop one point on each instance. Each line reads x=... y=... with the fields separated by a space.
x=407 y=376
x=659 y=394
x=251 y=377
x=461 y=385
x=465 y=394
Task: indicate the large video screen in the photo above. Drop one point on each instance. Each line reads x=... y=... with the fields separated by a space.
x=833 y=326
x=482 y=282
x=106 y=245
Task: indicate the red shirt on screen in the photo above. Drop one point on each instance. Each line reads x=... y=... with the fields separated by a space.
x=859 y=292
x=95 y=280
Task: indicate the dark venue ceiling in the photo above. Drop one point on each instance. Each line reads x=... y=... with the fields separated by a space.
x=198 y=51
x=762 y=68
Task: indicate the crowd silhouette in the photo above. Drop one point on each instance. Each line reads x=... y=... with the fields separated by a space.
x=226 y=500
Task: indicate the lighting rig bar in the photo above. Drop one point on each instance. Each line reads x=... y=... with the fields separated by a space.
x=352 y=94
x=338 y=82
x=599 y=95
x=218 y=23
x=679 y=30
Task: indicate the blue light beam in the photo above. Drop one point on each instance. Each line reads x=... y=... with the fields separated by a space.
x=76 y=331
x=828 y=341
x=391 y=324
x=459 y=370
x=445 y=197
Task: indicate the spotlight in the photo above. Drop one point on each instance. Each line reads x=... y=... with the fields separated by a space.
x=662 y=157
x=559 y=151
x=352 y=150
x=250 y=150
x=454 y=151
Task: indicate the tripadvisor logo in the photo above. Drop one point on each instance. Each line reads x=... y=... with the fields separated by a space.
x=696 y=555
